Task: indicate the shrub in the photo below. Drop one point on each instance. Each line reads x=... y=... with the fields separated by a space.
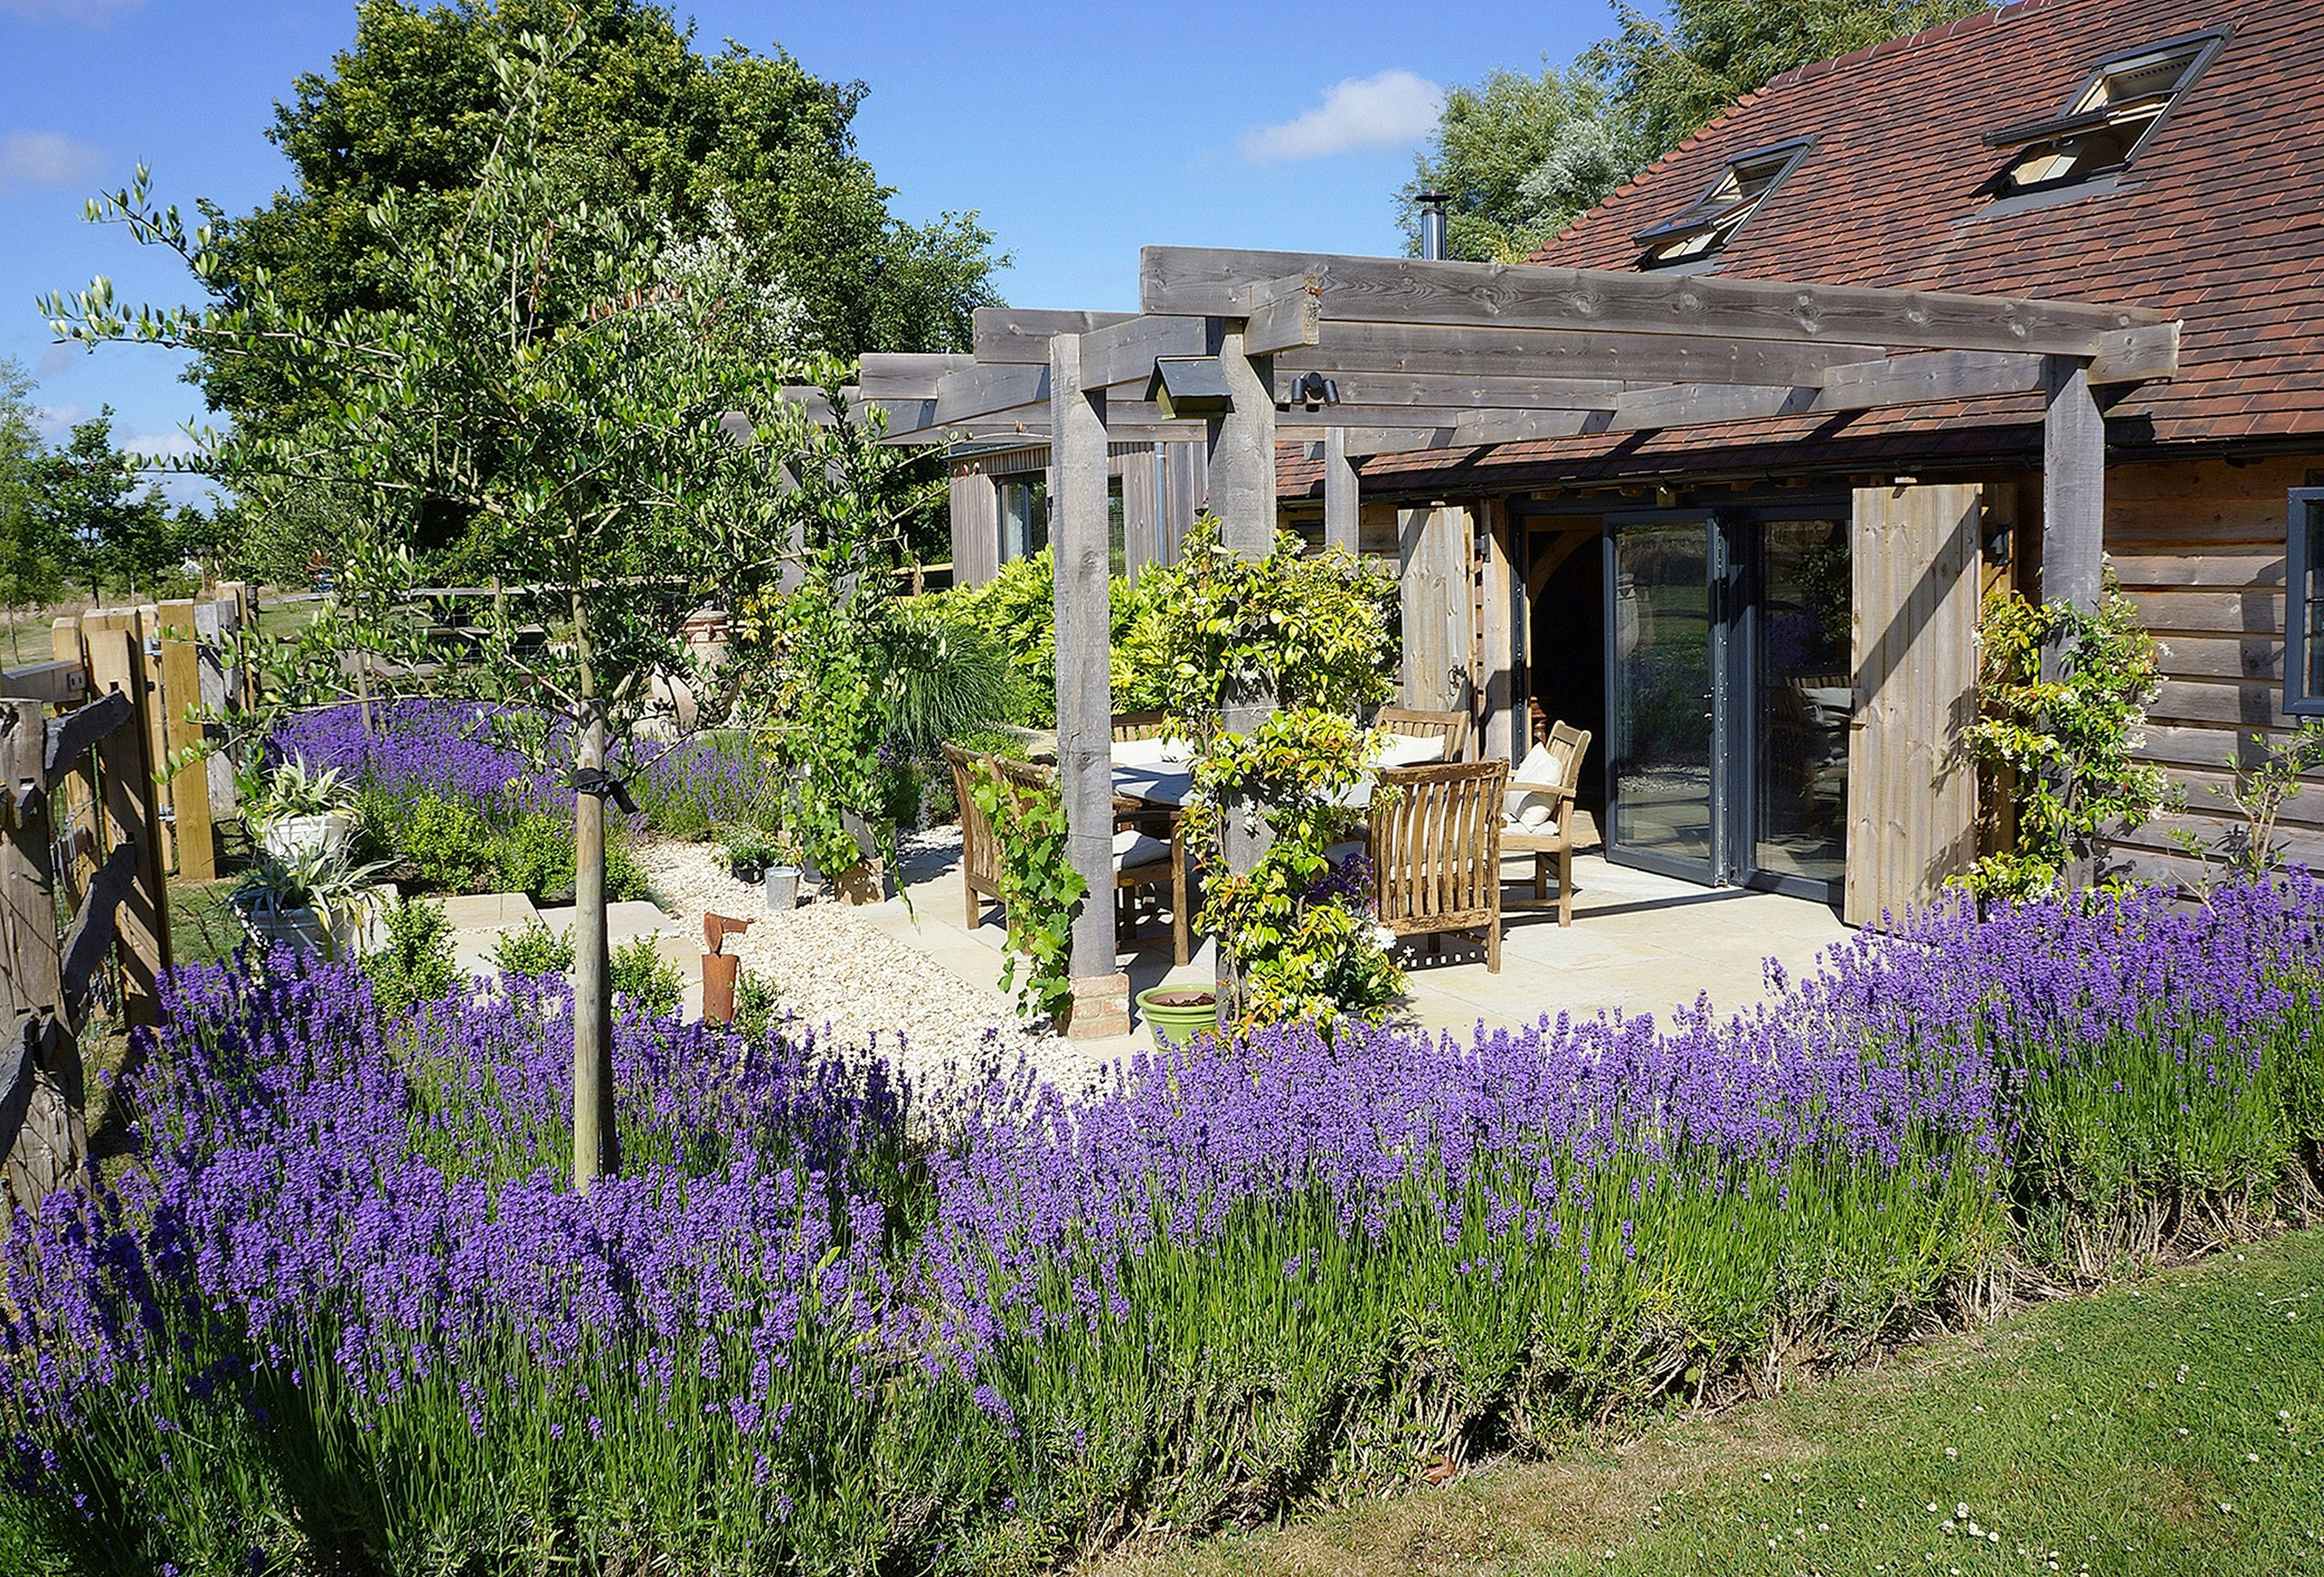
x=450 y=843
x=532 y=949
x=414 y=964
x=535 y=857
x=649 y=984
x=741 y=848
x=756 y=1003
x=625 y=878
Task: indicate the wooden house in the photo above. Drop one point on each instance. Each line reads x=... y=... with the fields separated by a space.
x=1699 y=578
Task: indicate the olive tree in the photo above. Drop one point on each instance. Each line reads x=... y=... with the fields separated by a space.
x=567 y=393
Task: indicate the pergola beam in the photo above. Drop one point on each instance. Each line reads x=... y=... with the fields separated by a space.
x=1451 y=389
x=1434 y=349
x=1022 y=334
x=1205 y=281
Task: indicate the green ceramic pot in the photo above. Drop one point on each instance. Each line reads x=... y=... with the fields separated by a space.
x=1179 y=1012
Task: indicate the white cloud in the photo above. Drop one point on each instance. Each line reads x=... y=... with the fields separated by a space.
x=55 y=422
x=1372 y=112
x=83 y=13
x=54 y=360
x=160 y=445
x=45 y=159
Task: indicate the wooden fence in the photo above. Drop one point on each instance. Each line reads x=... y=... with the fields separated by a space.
x=92 y=830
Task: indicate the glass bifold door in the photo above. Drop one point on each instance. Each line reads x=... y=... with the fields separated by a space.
x=1728 y=699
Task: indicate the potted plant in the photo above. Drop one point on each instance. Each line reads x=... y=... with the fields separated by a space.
x=746 y=853
x=313 y=900
x=1180 y=1012
x=298 y=810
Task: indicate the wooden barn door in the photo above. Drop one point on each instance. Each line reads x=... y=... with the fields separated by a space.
x=1912 y=786
x=1438 y=607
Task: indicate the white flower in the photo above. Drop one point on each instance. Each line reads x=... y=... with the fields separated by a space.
x=1383 y=937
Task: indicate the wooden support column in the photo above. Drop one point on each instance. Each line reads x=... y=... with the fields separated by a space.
x=2073 y=488
x=1502 y=736
x=2073 y=520
x=1078 y=530
x=1242 y=495
x=126 y=763
x=190 y=786
x=1343 y=494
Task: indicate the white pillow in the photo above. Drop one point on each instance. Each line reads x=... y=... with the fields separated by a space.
x=1521 y=798
x=1531 y=811
x=1406 y=750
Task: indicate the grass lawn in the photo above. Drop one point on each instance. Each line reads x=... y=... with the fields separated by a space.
x=2170 y=1426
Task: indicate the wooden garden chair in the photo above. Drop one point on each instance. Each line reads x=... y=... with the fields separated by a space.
x=1436 y=851
x=1552 y=839
x=1452 y=727
x=1129 y=725
x=980 y=850
x=1140 y=859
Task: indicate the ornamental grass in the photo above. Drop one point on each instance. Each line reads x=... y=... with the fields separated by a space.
x=340 y=1310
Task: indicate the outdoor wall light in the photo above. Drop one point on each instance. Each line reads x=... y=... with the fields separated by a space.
x=1189 y=386
x=1311 y=389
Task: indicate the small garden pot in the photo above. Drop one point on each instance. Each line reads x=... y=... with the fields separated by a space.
x=1179 y=1012
x=293 y=835
x=864 y=884
x=782 y=888
x=750 y=875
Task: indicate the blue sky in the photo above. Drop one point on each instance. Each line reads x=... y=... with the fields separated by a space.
x=1081 y=132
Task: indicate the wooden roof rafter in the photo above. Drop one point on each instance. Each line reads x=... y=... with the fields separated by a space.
x=1447 y=355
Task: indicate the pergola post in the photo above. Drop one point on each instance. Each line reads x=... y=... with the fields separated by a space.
x=1242 y=495
x=1078 y=528
x=2073 y=518
x=2073 y=487
x=1343 y=495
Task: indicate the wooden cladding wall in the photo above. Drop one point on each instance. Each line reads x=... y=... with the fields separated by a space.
x=2198 y=546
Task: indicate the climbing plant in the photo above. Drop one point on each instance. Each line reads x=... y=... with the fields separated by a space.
x=1039 y=888
x=2069 y=737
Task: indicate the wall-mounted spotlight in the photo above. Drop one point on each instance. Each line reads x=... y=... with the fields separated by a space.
x=1312 y=389
x=1189 y=386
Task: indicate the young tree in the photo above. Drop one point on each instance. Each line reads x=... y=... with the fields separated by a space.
x=559 y=391
x=32 y=552
x=117 y=536
x=635 y=119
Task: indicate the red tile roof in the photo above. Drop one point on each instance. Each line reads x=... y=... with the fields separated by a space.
x=2220 y=220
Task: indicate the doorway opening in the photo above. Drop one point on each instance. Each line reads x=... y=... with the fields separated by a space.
x=1565 y=642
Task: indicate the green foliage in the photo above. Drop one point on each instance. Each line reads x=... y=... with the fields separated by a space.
x=1297 y=941
x=2068 y=739
x=650 y=984
x=451 y=844
x=292 y=790
x=535 y=855
x=635 y=118
x=757 y=1004
x=1311 y=629
x=1670 y=77
x=1017 y=611
x=2260 y=789
x=748 y=848
x=625 y=878
x=114 y=535
x=944 y=679
x=1040 y=891
x=1517 y=157
x=35 y=551
x=414 y=964
x=533 y=949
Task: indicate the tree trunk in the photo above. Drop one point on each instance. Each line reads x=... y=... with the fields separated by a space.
x=595 y=1154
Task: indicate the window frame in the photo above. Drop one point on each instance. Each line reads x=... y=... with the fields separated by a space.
x=2020 y=140
x=2298 y=598
x=1687 y=222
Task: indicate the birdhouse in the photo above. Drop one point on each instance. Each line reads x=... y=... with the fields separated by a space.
x=1189 y=386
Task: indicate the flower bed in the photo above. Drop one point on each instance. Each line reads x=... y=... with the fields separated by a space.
x=342 y=1311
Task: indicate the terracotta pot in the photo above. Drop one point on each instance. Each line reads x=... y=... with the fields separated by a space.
x=864 y=884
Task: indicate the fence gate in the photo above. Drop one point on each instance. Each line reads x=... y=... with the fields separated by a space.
x=80 y=888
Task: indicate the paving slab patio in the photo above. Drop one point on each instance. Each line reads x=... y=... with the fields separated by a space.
x=1639 y=944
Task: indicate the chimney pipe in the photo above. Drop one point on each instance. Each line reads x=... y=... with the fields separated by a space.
x=1432 y=224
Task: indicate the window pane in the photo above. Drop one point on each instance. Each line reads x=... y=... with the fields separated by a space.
x=2311 y=596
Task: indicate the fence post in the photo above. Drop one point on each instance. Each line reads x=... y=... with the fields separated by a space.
x=42 y=1139
x=84 y=816
x=126 y=763
x=190 y=786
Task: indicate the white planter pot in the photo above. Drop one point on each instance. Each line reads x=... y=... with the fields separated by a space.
x=347 y=935
x=288 y=837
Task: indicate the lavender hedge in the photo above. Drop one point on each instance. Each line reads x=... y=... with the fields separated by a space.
x=519 y=761
x=341 y=1312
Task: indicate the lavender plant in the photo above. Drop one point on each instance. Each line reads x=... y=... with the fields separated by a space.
x=341 y=1309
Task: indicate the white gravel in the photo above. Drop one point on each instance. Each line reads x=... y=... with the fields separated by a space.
x=835 y=971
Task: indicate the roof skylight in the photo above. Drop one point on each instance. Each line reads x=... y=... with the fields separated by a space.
x=1704 y=228
x=2113 y=114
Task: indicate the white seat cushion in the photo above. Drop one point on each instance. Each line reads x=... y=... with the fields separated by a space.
x=1525 y=803
x=1407 y=750
x=1132 y=848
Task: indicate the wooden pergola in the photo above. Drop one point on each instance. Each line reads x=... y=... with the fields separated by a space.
x=1235 y=349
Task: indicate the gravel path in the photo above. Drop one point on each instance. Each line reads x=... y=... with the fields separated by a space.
x=835 y=969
